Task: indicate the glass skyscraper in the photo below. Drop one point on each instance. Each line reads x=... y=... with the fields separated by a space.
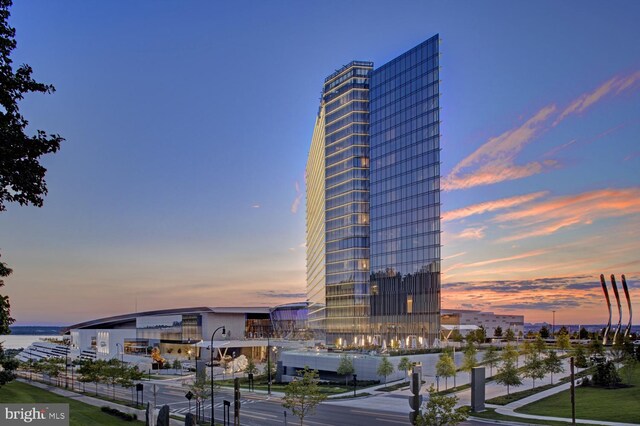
x=375 y=162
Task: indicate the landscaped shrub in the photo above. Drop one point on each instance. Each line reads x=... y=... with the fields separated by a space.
x=606 y=375
x=117 y=413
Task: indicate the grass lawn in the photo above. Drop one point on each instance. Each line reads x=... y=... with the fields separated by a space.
x=81 y=414
x=490 y=414
x=615 y=405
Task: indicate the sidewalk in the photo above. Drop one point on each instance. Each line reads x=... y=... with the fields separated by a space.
x=96 y=402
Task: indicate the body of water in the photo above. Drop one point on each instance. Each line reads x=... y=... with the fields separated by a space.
x=17 y=341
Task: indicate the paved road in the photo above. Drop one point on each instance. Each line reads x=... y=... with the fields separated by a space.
x=262 y=410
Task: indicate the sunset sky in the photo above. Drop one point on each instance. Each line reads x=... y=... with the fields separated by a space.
x=187 y=126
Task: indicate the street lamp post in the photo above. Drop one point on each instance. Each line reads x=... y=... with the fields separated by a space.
x=66 y=368
x=268 y=365
x=213 y=418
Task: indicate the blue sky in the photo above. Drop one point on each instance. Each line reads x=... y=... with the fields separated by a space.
x=188 y=126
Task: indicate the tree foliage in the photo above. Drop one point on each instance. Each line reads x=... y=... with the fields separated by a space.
x=346 y=367
x=303 y=395
x=534 y=367
x=405 y=365
x=446 y=367
x=21 y=174
x=510 y=335
x=497 y=332
x=563 y=342
x=439 y=410
x=469 y=361
x=580 y=357
x=508 y=375
x=553 y=364
x=385 y=368
x=491 y=358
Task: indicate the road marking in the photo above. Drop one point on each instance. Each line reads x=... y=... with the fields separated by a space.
x=257 y=416
x=317 y=423
x=388 y=421
x=378 y=414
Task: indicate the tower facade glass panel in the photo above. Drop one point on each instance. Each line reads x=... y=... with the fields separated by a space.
x=405 y=196
x=314 y=177
x=345 y=100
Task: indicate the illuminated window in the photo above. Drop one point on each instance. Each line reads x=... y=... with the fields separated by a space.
x=409 y=304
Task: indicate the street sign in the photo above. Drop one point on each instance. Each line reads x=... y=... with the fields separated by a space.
x=189 y=395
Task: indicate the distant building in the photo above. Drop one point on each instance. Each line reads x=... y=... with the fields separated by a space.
x=467 y=320
x=185 y=333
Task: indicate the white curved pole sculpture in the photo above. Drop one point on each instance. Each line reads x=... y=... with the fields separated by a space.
x=626 y=294
x=605 y=335
x=615 y=292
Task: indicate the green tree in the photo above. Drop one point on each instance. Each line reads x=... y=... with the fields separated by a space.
x=553 y=364
x=21 y=175
x=491 y=358
x=90 y=371
x=606 y=375
x=345 y=368
x=129 y=376
x=563 y=342
x=510 y=335
x=405 y=365
x=439 y=410
x=469 y=361
x=497 y=332
x=533 y=367
x=176 y=365
x=303 y=395
x=539 y=345
x=583 y=334
x=508 y=375
x=596 y=348
x=251 y=367
x=480 y=334
x=446 y=367
x=544 y=332
x=510 y=354
x=580 y=357
x=385 y=368
x=201 y=389
x=110 y=373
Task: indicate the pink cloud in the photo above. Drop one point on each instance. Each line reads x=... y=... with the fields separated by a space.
x=549 y=216
x=495 y=158
x=472 y=233
x=489 y=206
x=617 y=84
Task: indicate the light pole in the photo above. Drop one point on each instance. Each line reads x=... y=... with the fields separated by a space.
x=268 y=365
x=213 y=418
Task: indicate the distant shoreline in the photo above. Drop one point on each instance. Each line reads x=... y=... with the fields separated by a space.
x=36 y=330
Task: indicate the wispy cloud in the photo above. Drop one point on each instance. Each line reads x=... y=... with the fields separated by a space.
x=494 y=162
x=549 y=216
x=476 y=233
x=462 y=253
x=255 y=206
x=296 y=202
x=489 y=206
x=617 y=84
x=272 y=294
